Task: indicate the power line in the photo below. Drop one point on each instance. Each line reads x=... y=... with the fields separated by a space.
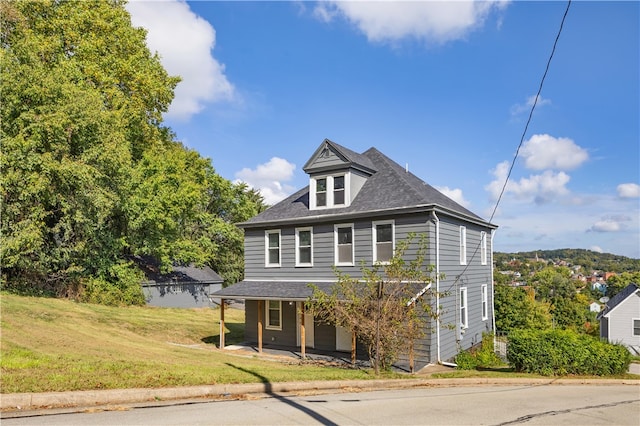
x=533 y=107
x=524 y=133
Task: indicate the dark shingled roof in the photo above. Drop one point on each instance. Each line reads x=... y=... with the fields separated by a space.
x=390 y=188
x=618 y=298
x=179 y=273
x=278 y=290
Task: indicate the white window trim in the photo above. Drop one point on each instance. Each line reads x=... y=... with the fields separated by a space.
x=266 y=248
x=632 y=328
x=335 y=244
x=483 y=248
x=298 y=230
x=330 y=189
x=464 y=322
x=484 y=304
x=463 y=245
x=267 y=315
x=374 y=236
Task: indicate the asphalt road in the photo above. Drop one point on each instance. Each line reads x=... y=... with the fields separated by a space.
x=472 y=405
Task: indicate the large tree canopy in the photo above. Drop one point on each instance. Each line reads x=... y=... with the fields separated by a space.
x=89 y=175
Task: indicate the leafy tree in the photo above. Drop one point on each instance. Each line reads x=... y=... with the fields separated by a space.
x=382 y=308
x=89 y=175
x=82 y=97
x=589 y=260
x=616 y=283
x=516 y=308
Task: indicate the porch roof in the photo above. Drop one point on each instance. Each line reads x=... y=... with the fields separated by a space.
x=271 y=290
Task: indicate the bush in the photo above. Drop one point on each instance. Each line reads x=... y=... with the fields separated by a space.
x=465 y=360
x=484 y=356
x=120 y=287
x=561 y=352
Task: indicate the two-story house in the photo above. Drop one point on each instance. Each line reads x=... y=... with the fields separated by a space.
x=355 y=208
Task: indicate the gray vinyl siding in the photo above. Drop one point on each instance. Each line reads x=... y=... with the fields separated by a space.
x=325 y=337
x=330 y=161
x=323 y=250
x=621 y=321
x=472 y=276
x=284 y=337
x=604 y=328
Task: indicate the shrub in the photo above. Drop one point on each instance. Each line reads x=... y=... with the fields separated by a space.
x=484 y=356
x=561 y=352
x=465 y=360
x=120 y=287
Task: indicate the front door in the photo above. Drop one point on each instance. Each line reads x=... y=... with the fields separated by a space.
x=308 y=327
x=343 y=339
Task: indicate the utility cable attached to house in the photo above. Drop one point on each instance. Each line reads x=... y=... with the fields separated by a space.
x=524 y=133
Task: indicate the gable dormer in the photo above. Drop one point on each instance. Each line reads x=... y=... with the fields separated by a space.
x=336 y=175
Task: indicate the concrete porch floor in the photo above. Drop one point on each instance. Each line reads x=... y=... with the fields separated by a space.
x=342 y=359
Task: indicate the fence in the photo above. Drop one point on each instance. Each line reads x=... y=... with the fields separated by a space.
x=500 y=344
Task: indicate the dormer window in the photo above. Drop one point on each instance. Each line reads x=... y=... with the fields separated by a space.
x=338 y=190
x=321 y=192
x=329 y=191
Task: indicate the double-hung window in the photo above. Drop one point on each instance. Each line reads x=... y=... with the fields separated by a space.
x=338 y=190
x=463 y=245
x=636 y=327
x=383 y=241
x=304 y=247
x=485 y=304
x=483 y=248
x=464 y=319
x=273 y=314
x=321 y=192
x=272 y=248
x=329 y=191
x=343 y=235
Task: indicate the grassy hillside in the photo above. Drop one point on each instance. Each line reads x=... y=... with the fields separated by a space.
x=57 y=345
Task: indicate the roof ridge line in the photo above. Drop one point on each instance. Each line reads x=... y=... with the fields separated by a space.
x=393 y=165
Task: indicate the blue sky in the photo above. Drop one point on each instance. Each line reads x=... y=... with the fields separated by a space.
x=445 y=87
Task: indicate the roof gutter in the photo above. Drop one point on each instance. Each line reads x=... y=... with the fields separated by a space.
x=367 y=214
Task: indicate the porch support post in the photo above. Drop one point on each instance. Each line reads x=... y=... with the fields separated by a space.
x=221 y=324
x=303 y=343
x=411 y=359
x=260 y=316
x=353 y=347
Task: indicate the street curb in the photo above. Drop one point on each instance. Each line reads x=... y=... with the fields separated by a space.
x=17 y=402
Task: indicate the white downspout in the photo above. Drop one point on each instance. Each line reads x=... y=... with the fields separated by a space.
x=437 y=222
x=493 y=304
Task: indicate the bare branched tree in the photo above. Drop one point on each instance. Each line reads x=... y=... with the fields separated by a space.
x=389 y=308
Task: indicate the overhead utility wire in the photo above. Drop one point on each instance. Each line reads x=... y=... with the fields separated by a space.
x=524 y=133
x=533 y=107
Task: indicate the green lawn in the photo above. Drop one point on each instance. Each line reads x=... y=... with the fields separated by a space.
x=59 y=345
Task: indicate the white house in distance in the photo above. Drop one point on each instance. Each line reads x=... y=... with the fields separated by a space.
x=620 y=319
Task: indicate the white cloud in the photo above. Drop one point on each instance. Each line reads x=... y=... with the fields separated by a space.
x=628 y=190
x=430 y=21
x=597 y=249
x=184 y=42
x=607 y=225
x=547 y=152
x=540 y=189
x=269 y=179
x=518 y=109
x=455 y=194
x=611 y=223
